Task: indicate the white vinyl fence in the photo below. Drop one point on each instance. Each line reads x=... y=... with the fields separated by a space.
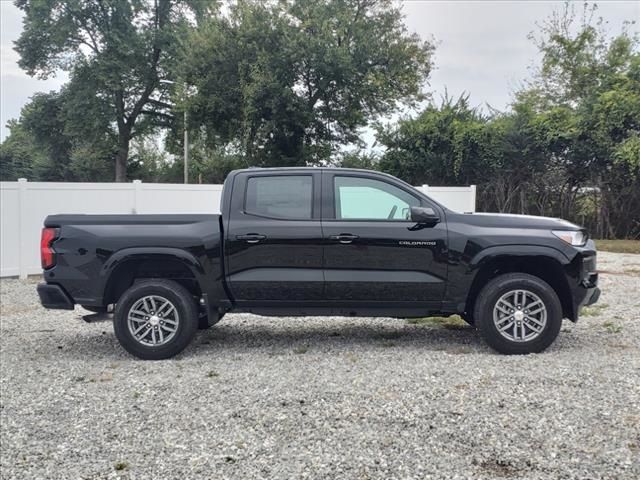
x=24 y=206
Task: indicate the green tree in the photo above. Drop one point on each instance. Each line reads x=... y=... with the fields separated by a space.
x=117 y=49
x=288 y=82
x=18 y=153
x=48 y=144
x=586 y=102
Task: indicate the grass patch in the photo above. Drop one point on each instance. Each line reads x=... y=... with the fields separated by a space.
x=121 y=466
x=454 y=322
x=632 y=271
x=593 y=310
x=612 y=327
x=301 y=350
x=212 y=374
x=618 y=246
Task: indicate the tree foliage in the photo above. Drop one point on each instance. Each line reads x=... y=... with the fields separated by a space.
x=49 y=142
x=116 y=51
x=287 y=82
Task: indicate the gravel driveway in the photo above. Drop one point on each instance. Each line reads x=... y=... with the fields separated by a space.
x=327 y=398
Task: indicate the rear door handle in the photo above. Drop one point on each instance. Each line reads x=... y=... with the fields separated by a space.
x=344 y=238
x=251 y=237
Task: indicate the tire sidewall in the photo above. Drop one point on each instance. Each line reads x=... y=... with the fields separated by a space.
x=498 y=287
x=187 y=324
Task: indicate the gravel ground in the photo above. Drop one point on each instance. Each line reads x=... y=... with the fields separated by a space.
x=327 y=398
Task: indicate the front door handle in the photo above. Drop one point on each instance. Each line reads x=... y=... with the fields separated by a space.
x=251 y=237
x=344 y=238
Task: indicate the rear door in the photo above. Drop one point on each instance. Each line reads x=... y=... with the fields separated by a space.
x=374 y=255
x=273 y=243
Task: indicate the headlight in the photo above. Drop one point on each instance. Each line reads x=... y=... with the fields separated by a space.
x=577 y=238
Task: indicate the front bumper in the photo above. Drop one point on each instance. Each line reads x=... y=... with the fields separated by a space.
x=53 y=296
x=586 y=292
x=592 y=297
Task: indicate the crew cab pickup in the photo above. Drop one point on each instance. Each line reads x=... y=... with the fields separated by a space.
x=319 y=241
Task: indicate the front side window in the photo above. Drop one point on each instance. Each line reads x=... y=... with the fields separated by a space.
x=285 y=196
x=368 y=199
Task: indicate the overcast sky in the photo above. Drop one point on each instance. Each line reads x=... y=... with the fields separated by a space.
x=482 y=47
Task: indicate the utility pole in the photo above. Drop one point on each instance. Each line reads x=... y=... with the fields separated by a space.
x=186 y=132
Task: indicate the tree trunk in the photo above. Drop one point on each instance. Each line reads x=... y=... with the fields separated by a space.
x=122 y=156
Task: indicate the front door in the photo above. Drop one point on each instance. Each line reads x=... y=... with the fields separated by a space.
x=274 y=239
x=374 y=255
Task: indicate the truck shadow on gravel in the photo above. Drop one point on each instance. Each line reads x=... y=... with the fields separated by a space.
x=339 y=336
x=292 y=338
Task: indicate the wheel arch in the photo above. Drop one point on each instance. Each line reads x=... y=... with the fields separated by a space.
x=543 y=262
x=128 y=265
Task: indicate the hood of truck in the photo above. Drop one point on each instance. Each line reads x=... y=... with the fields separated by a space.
x=508 y=220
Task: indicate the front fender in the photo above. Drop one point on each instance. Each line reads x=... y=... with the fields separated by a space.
x=491 y=253
x=473 y=271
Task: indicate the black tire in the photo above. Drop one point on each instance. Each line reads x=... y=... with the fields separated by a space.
x=499 y=286
x=185 y=306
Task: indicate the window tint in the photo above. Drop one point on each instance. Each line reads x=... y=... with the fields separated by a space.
x=367 y=199
x=287 y=196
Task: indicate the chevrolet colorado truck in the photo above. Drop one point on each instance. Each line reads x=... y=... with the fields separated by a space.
x=319 y=241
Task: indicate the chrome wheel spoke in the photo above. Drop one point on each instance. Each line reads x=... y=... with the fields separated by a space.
x=153 y=320
x=506 y=303
x=160 y=310
x=534 y=320
x=536 y=328
x=535 y=304
x=507 y=326
x=167 y=329
x=146 y=324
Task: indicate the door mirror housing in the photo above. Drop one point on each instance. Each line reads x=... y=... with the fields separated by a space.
x=424 y=216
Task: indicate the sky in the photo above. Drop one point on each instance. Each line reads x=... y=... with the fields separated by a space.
x=481 y=48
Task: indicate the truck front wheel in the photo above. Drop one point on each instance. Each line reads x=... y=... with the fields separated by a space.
x=155 y=319
x=518 y=313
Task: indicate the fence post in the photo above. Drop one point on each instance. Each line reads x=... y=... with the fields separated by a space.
x=22 y=224
x=472 y=198
x=137 y=188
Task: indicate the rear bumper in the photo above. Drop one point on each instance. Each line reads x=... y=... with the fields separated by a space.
x=53 y=296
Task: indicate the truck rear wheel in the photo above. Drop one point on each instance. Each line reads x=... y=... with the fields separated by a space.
x=155 y=319
x=518 y=313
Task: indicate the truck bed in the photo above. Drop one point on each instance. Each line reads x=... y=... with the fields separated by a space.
x=98 y=253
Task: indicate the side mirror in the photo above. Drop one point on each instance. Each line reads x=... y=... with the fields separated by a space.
x=424 y=216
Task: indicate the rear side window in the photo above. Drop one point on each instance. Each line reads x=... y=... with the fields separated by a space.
x=287 y=196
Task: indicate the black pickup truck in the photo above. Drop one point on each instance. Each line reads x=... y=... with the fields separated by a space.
x=319 y=241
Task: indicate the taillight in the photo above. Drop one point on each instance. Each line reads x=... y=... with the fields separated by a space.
x=47 y=253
